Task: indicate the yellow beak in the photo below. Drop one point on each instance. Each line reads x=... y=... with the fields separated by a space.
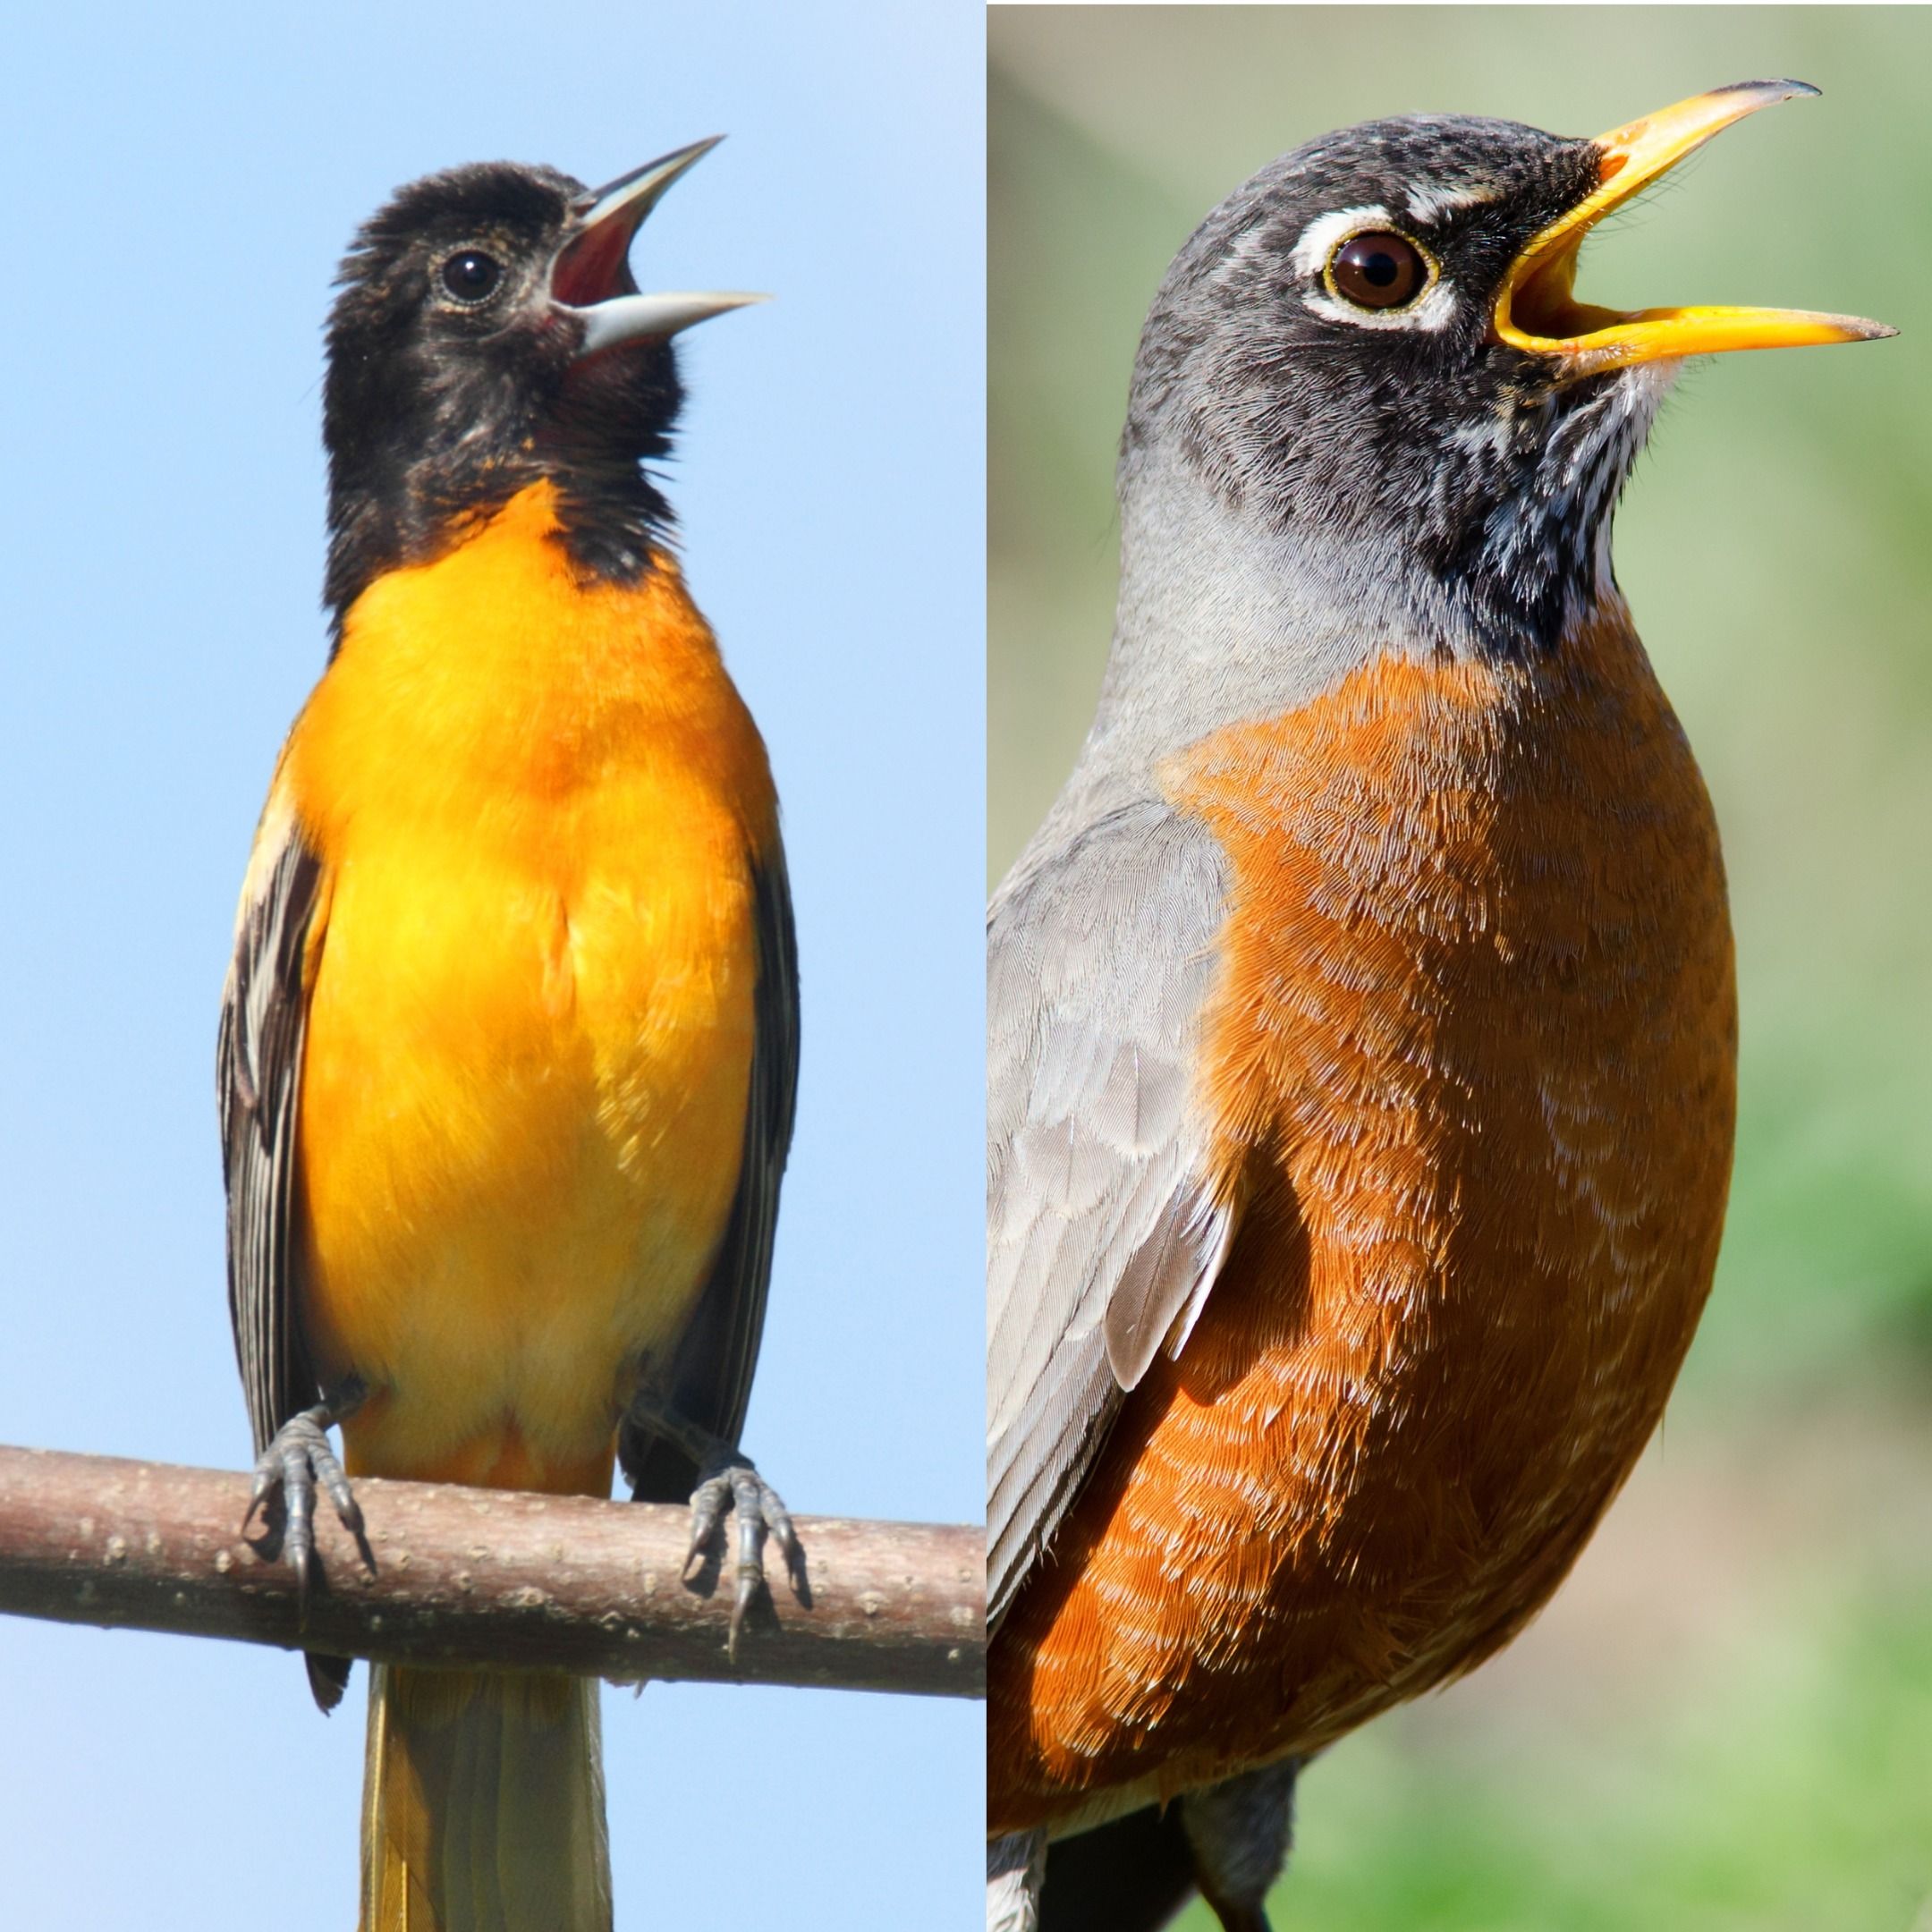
x=1537 y=313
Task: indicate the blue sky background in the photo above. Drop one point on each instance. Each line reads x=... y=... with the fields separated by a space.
x=181 y=185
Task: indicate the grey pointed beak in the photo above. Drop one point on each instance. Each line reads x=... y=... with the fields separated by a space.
x=592 y=276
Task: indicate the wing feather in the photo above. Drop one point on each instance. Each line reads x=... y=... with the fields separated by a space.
x=258 y=1085
x=710 y=1382
x=1105 y=1228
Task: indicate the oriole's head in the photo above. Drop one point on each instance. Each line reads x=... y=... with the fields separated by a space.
x=489 y=334
x=1371 y=351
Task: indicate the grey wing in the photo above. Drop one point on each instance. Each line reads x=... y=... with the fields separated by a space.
x=710 y=1382
x=1104 y=1227
x=258 y=1085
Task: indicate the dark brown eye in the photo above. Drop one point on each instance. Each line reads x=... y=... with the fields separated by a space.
x=471 y=275
x=1378 y=270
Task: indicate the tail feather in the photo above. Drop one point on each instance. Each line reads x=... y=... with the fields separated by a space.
x=483 y=1804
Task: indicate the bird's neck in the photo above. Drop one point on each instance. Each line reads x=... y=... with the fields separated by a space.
x=1222 y=617
x=609 y=517
x=1225 y=615
x=1217 y=609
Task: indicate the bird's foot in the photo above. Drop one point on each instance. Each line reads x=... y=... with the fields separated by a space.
x=728 y=1478
x=1240 y=1832
x=292 y=1466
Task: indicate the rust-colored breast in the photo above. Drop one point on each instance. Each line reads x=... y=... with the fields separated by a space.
x=1472 y=1063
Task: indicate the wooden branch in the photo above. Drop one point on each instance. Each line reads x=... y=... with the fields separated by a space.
x=490 y=1577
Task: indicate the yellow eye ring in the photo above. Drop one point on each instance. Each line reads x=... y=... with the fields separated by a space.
x=1380 y=270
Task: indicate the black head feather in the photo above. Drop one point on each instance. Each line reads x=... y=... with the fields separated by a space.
x=454 y=383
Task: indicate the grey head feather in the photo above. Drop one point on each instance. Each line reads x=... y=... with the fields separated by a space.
x=1300 y=496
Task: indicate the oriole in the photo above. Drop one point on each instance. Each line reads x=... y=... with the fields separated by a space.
x=509 y=1045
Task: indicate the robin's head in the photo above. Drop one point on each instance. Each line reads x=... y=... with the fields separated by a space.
x=1372 y=349
x=489 y=334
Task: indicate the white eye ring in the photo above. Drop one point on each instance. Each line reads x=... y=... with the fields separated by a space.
x=1432 y=307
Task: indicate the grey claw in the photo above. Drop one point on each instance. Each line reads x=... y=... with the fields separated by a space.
x=295 y=1462
x=347 y=1509
x=328 y=1471
x=750 y=1577
x=780 y=1525
x=749 y=1504
x=257 y=1495
x=733 y=1479
x=794 y=1552
x=708 y=1511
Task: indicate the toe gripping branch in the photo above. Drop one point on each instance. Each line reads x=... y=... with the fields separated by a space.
x=728 y=1475
x=298 y=1459
x=728 y=1478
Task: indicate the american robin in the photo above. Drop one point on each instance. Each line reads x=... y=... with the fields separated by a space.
x=1361 y=1019
x=509 y=1045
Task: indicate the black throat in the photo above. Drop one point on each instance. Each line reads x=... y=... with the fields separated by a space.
x=1517 y=529
x=415 y=464
x=438 y=408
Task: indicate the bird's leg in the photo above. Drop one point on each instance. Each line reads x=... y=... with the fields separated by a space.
x=298 y=1459
x=729 y=1475
x=1240 y=1832
x=1015 y=1870
x=727 y=1478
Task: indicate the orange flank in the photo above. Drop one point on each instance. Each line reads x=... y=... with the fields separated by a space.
x=535 y=799
x=1469 y=1066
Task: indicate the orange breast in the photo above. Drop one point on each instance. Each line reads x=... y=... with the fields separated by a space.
x=537 y=800
x=1471 y=1062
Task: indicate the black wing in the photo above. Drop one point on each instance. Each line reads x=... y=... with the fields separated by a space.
x=710 y=1381
x=257 y=1071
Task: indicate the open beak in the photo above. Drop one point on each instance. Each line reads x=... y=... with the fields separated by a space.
x=592 y=276
x=1537 y=313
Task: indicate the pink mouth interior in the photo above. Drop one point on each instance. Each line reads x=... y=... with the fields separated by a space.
x=591 y=268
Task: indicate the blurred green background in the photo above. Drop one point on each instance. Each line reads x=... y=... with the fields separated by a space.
x=1726 y=1719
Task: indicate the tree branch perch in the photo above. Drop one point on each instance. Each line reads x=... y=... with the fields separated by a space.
x=489 y=1577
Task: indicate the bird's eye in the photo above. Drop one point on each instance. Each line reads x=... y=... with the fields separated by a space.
x=1378 y=270
x=469 y=276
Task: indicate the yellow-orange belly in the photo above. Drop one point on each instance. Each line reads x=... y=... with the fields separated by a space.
x=1472 y=1059
x=537 y=804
